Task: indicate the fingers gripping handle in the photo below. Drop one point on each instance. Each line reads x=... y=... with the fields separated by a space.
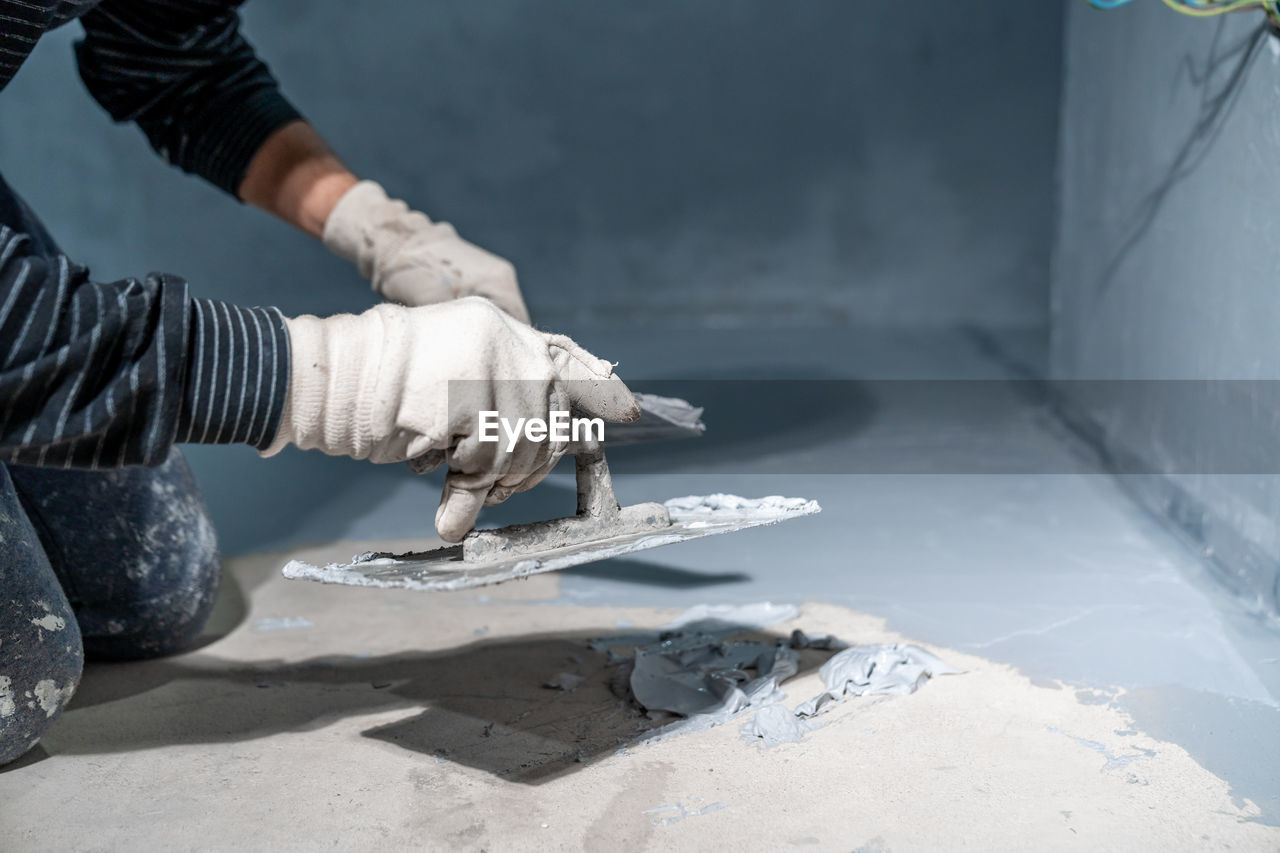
x=595 y=483
x=599 y=518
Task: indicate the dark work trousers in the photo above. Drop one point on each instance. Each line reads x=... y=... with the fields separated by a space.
x=108 y=565
x=103 y=565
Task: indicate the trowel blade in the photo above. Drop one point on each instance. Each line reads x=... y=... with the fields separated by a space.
x=443 y=569
x=661 y=419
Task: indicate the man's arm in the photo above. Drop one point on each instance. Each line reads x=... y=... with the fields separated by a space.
x=297 y=178
x=408 y=258
x=181 y=70
x=105 y=374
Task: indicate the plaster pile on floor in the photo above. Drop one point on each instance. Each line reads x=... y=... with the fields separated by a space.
x=694 y=670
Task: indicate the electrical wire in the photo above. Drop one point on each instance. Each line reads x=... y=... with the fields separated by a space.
x=1209 y=10
x=1205 y=8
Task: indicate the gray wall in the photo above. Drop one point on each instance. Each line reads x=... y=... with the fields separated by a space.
x=722 y=162
x=730 y=161
x=1167 y=265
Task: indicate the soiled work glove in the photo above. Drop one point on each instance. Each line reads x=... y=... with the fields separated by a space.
x=410 y=259
x=394 y=384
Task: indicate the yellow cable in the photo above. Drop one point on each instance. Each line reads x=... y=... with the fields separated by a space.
x=1210 y=11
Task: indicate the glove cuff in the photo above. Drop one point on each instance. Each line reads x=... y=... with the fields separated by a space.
x=356 y=229
x=331 y=403
x=308 y=366
x=346 y=230
x=369 y=229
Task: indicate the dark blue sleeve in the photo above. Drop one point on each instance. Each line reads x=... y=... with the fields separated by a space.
x=102 y=375
x=183 y=72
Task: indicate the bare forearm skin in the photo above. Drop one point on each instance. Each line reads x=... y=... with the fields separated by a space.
x=297 y=178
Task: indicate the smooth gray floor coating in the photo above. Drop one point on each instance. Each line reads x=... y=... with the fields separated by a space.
x=1169 y=121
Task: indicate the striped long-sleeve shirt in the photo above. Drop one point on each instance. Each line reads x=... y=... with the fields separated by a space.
x=97 y=374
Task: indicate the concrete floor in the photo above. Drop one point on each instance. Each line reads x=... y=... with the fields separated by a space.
x=1114 y=697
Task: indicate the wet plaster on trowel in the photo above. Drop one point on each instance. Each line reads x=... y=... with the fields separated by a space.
x=491 y=557
x=194 y=740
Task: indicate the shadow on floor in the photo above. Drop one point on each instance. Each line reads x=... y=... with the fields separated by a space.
x=484 y=705
x=645 y=573
x=232 y=605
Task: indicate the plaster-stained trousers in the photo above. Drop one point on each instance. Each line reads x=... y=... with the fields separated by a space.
x=110 y=565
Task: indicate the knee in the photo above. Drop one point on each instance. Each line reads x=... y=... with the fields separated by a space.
x=136 y=551
x=161 y=596
x=184 y=586
x=39 y=672
x=41 y=656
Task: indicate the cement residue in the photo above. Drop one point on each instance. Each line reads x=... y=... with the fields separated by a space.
x=667 y=815
x=776 y=724
x=50 y=696
x=447 y=568
x=714 y=506
x=693 y=670
x=895 y=669
x=1114 y=762
x=700 y=674
x=563 y=681
x=50 y=622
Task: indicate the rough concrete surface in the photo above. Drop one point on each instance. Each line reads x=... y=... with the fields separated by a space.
x=364 y=718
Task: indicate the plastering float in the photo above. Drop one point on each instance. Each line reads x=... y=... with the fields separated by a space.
x=601 y=528
x=661 y=419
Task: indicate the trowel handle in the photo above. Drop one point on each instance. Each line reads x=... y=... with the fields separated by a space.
x=595 y=484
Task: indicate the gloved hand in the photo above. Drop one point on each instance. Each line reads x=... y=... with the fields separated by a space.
x=410 y=259
x=395 y=383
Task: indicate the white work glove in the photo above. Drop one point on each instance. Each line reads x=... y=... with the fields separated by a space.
x=394 y=384
x=410 y=259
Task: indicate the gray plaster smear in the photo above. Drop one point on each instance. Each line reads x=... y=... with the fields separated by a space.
x=895 y=669
x=693 y=668
x=694 y=673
